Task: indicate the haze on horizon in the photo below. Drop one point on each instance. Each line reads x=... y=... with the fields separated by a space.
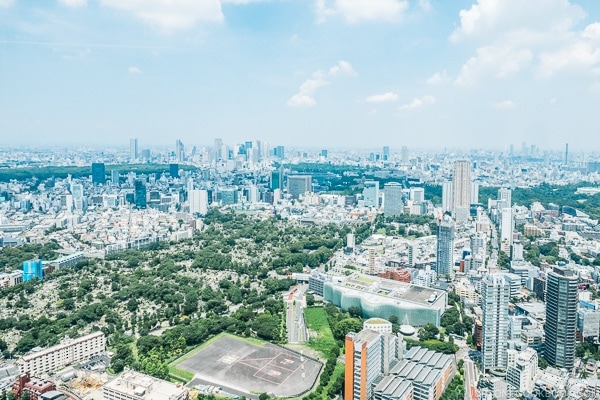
x=343 y=73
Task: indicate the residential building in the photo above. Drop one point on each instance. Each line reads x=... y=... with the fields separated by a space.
x=445 y=247
x=561 y=317
x=67 y=352
x=461 y=190
x=522 y=369
x=369 y=355
x=495 y=322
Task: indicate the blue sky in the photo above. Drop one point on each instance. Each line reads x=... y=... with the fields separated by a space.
x=322 y=73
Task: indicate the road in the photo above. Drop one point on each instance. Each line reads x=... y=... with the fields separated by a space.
x=294 y=317
x=470 y=379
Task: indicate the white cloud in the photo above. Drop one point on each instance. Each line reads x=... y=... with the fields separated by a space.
x=169 y=15
x=503 y=105
x=354 y=11
x=512 y=35
x=6 y=3
x=134 y=70
x=305 y=96
x=417 y=103
x=382 y=98
x=488 y=19
x=438 y=78
x=494 y=61
x=581 y=54
x=425 y=5
x=73 y=3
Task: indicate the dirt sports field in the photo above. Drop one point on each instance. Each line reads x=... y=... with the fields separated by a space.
x=248 y=369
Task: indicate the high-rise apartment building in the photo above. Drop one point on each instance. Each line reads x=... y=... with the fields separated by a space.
x=561 y=317
x=461 y=190
x=133 y=149
x=445 y=247
x=386 y=153
x=405 y=155
x=506 y=230
x=218 y=149
x=495 y=322
x=447 y=196
x=392 y=201
x=371 y=194
x=98 y=174
x=369 y=355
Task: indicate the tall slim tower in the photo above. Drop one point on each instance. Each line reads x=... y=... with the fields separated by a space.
x=561 y=317
x=445 y=247
x=133 y=149
x=371 y=194
x=505 y=195
x=566 y=153
x=494 y=303
x=461 y=190
x=447 y=196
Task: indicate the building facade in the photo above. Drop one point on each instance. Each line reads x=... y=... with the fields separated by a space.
x=67 y=352
x=461 y=190
x=393 y=203
x=561 y=317
x=495 y=322
x=445 y=247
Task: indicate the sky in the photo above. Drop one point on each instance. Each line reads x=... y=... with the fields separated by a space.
x=315 y=73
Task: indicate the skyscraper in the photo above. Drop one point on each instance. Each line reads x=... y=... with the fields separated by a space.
x=447 y=196
x=114 y=177
x=279 y=152
x=506 y=229
x=299 y=184
x=392 y=204
x=386 y=153
x=179 y=151
x=461 y=190
x=218 y=149
x=405 y=155
x=561 y=317
x=133 y=149
x=98 y=173
x=277 y=178
x=445 y=247
x=494 y=303
x=139 y=192
x=371 y=194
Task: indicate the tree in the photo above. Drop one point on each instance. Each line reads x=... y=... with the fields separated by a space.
x=342 y=328
x=263 y=396
x=355 y=312
x=428 y=332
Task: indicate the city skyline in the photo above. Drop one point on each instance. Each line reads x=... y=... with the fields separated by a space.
x=484 y=73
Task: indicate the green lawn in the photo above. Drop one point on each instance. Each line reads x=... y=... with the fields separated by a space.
x=316 y=321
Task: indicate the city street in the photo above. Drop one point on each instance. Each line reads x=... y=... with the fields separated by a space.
x=294 y=302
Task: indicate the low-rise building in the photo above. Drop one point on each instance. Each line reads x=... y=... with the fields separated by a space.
x=69 y=351
x=132 y=385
